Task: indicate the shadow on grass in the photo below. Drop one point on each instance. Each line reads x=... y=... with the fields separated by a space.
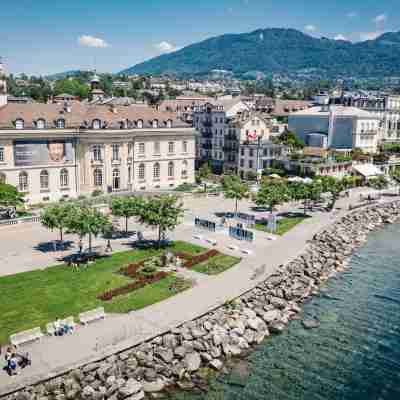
x=53 y=246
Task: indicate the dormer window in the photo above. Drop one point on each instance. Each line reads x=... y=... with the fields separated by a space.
x=19 y=124
x=169 y=123
x=96 y=124
x=40 y=124
x=60 y=123
x=155 y=123
x=140 y=124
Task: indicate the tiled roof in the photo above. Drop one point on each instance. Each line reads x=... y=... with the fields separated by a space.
x=82 y=115
x=337 y=110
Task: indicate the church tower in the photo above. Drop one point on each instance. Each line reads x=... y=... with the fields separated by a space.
x=96 y=93
x=3 y=85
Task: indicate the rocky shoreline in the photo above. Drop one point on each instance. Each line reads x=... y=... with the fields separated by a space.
x=187 y=355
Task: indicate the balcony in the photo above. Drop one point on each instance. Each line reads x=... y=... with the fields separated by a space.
x=98 y=161
x=116 y=161
x=207 y=123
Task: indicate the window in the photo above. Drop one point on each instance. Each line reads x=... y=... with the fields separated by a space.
x=19 y=124
x=98 y=177
x=141 y=172
x=141 y=148
x=250 y=163
x=116 y=182
x=156 y=171
x=40 y=124
x=129 y=174
x=251 y=153
x=171 y=147
x=96 y=124
x=64 y=178
x=155 y=123
x=115 y=152
x=184 y=146
x=130 y=147
x=242 y=162
x=184 y=169
x=139 y=124
x=2 y=178
x=242 y=151
x=23 y=181
x=171 y=170
x=265 y=152
x=60 y=123
x=96 y=152
x=44 y=180
x=169 y=123
x=156 y=147
x=1 y=154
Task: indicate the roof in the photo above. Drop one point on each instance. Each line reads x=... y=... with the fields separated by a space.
x=82 y=115
x=315 y=152
x=282 y=108
x=340 y=111
x=367 y=170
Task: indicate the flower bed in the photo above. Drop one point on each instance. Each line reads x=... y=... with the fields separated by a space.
x=201 y=258
x=139 y=283
x=132 y=269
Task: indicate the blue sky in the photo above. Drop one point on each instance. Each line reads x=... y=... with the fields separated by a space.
x=43 y=36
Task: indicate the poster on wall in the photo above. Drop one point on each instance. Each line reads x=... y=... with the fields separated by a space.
x=35 y=152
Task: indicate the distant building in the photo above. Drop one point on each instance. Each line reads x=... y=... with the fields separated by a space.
x=62 y=98
x=280 y=108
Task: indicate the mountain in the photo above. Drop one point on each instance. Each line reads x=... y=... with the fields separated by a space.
x=281 y=51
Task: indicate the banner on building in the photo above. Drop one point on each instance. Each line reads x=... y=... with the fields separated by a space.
x=37 y=152
x=241 y=234
x=205 y=224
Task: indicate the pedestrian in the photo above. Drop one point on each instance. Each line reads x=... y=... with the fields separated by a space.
x=108 y=247
x=80 y=245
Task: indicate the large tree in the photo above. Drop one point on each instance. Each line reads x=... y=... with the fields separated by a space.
x=271 y=194
x=203 y=174
x=88 y=221
x=57 y=217
x=235 y=189
x=126 y=207
x=9 y=196
x=161 y=212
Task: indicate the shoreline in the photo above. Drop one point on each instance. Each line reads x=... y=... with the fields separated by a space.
x=181 y=357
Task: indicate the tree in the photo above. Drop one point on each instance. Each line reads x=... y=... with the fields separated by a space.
x=57 y=217
x=88 y=221
x=203 y=174
x=126 y=207
x=299 y=192
x=9 y=196
x=272 y=194
x=289 y=139
x=235 y=189
x=161 y=212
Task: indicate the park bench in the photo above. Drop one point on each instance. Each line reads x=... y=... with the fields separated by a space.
x=245 y=251
x=92 y=315
x=26 y=336
x=233 y=247
x=198 y=237
x=67 y=321
x=211 y=241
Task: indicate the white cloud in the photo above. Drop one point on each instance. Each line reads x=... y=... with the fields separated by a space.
x=165 y=47
x=91 y=41
x=310 y=28
x=340 y=37
x=380 y=19
x=370 y=35
x=351 y=14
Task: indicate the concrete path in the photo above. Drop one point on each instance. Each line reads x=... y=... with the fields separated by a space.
x=53 y=356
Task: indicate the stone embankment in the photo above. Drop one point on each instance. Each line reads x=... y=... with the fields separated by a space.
x=183 y=357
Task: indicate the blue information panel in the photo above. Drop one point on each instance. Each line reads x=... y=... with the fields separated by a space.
x=205 y=224
x=241 y=234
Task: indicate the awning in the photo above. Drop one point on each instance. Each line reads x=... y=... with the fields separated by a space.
x=367 y=170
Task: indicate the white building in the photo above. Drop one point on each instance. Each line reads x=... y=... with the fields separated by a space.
x=337 y=128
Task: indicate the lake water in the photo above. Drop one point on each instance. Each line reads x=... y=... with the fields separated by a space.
x=353 y=355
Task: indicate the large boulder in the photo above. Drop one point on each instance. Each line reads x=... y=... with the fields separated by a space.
x=152 y=387
x=192 y=361
x=271 y=315
x=131 y=387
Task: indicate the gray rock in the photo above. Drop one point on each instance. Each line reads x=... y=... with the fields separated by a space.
x=271 y=315
x=311 y=323
x=216 y=364
x=130 y=388
x=192 y=361
x=88 y=392
x=152 y=387
x=277 y=327
x=166 y=355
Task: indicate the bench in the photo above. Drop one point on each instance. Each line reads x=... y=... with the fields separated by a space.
x=92 y=315
x=67 y=321
x=211 y=241
x=26 y=336
x=245 y=251
x=198 y=237
x=233 y=247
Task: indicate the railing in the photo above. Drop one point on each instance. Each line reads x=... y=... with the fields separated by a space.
x=22 y=220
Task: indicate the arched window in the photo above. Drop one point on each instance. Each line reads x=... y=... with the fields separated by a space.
x=141 y=172
x=96 y=124
x=44 y=180
x=19 y=123
x=64 y=179
x=41 y=123
x=139 y=124
x=171 y=170
x=23 y=183
x=155 y=123
x=116 y=179
x=169 y=123
x=156 y=171
x=98 y=177
x=60 y=123
x=184 y=168
x=3 y=178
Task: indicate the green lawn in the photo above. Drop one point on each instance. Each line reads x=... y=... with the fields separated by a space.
x=283 y=225
x=34 y=298
x=216 y=265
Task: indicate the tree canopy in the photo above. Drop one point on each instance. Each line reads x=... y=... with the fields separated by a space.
x=126 y=207
x=234 y=189
x=10 y=196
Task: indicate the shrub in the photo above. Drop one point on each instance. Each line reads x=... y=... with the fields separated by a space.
x=201 y=258
x=97 y=193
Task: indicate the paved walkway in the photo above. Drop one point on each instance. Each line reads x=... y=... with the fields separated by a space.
x=56 y=355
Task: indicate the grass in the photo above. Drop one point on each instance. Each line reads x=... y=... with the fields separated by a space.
x=216 y=265
x=283 y=225
x=31 y=299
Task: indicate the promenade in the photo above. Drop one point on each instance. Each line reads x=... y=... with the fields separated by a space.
x=55 y=355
